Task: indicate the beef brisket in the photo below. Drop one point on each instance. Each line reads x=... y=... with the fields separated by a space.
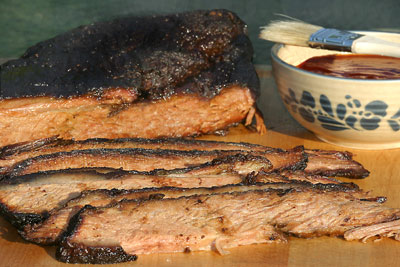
x=51 y=229
x=27 y=199
x=173 y=75
x=139 y=159
x=217 y=221
x=83 y=164
x=331 y=163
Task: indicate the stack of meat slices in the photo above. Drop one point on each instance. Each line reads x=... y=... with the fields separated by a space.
x=108 y=200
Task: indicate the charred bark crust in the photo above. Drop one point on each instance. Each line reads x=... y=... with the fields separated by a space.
x=154 y=57
x=20 y=220
x=94 y=255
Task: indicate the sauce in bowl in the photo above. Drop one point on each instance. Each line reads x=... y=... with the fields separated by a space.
x=354 y=66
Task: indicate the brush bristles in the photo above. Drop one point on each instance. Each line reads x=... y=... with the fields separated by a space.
x=288 y=32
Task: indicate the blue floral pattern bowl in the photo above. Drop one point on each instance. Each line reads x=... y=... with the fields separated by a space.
x=355 y=113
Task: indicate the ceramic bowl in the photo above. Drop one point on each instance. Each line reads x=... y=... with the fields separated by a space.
x=354 y=113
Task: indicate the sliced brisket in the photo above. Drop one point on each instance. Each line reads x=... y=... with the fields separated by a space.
x=50 y=229
x=27 y=199
x=328 y=163
x=139 y=159
x=218 y=221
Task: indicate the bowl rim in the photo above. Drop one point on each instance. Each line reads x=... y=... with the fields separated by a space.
x=274 y=54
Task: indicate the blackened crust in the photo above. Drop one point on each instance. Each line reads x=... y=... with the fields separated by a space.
x=356 y=173
x=301 y=164
x=19 y=220
x=154 y=57
x=9 y=151
x=94 y=255
x=14 y=149
x=342 y=187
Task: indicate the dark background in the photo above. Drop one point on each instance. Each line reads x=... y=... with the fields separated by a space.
x=24 y=23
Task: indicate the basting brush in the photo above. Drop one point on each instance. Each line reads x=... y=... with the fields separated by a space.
x=303 y=34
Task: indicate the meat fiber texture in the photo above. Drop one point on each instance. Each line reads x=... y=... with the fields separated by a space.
x=221 y=220
x=146 y=154
x=137 y=196
x=174 y=75
x=49 y=229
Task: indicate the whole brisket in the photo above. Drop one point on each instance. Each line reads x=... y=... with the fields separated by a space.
x=173 y=75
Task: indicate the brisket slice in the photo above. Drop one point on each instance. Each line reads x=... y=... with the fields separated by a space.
x=175 y=75
x=27 y=199
x=139 y=159
x=51 y=229
x=334 y=163
x=328 y=163
x=218 y=221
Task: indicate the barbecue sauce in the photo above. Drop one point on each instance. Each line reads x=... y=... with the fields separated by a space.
x=370 y=67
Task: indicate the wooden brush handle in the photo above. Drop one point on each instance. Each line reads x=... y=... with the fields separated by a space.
x=371 y=45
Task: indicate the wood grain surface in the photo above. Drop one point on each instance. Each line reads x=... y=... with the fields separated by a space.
x=283 y=132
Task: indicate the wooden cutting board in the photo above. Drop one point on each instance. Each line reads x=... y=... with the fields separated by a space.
x=283 y=132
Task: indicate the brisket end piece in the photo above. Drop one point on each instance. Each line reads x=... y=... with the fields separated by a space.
x=334 y=163
x=175 y=75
